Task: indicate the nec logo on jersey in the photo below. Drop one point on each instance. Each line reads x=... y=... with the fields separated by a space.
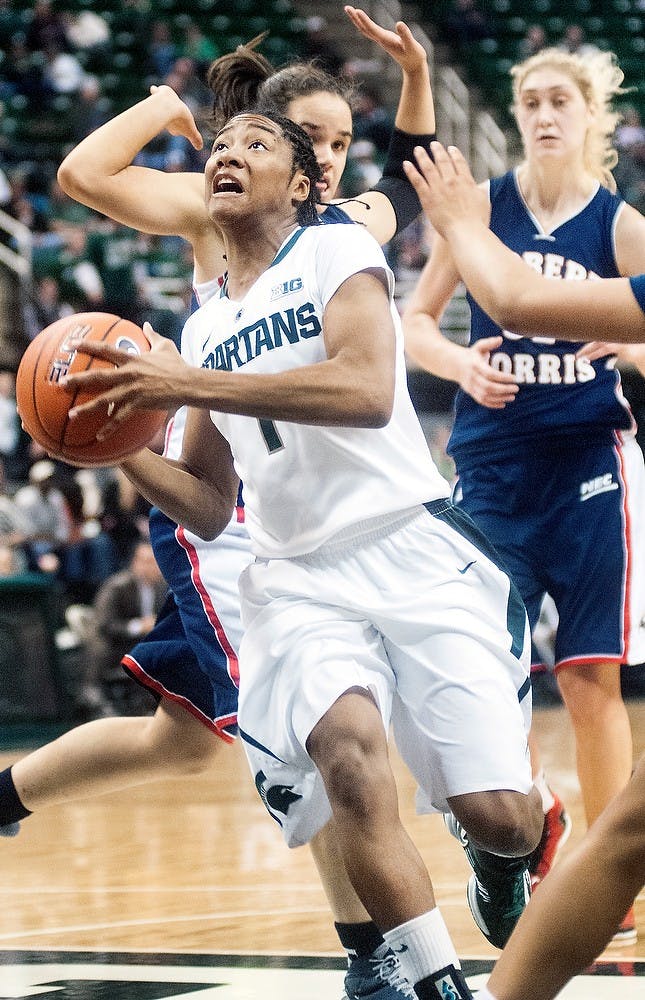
x=599 y=484
x=286 y=288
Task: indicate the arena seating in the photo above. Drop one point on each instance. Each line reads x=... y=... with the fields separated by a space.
x=615 y=25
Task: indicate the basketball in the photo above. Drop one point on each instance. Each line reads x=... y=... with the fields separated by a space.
x=44 y=405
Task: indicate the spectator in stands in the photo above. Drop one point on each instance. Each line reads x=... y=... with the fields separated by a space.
x=162 y=51
x=90 y=112
x=466 y=23
x=534 y=40
x=125 y=609
x=631 y=130
x=62 y=72
x=574 y=41
x=43 y=506
x=119 y=255
x=10 y=22
x=124 y=516
x=80 y=283
x=372 y=120
x=21 y=74
x=88 y=32
x=629 y=174
x=89 y=555
x=63 y=212
x=13 y=530
x=9 y=420
x=47 y=27
x=5 y=190
x=317 y=44
x=198 y=47
x=23 y=207
x=44 y=307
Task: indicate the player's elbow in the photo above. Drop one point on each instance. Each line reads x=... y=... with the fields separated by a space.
x=207 y=521
x=511 y=313
x=377 y=406
x=71 y=179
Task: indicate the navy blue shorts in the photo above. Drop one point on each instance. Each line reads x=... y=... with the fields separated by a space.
x=190 y=656
x=566 y=518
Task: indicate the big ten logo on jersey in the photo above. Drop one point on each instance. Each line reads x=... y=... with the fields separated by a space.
x=266 y=334
x=285 y=288
x=542 y=367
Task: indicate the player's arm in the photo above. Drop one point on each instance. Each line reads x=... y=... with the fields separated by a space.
x=426 y=345
x=352 y=387
x=99 y=171
x=630 y=257
x=514 y=296
x=393 y=204
x=199 y=491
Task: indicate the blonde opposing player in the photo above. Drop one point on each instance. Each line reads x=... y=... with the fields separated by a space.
x=575 y=913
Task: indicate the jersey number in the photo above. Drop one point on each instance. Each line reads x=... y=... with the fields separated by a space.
x=270 y=434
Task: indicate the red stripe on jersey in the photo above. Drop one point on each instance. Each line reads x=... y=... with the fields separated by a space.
x=231 y=656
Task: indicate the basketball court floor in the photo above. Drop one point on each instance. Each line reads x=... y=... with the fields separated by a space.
x=185 y=889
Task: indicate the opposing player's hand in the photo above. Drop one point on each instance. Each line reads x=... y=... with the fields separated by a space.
x=149 y=381
x=486 y=385
x=400 y=43
x=598 y=349
x=181 y=121
x=446 y=188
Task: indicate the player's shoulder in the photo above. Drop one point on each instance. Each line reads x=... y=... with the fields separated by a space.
x=346 y=239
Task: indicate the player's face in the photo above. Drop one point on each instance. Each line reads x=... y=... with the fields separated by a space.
x=250 y=171
x=552 y=115
x=327 y=120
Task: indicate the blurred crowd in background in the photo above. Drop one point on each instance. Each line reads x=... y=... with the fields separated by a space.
x=62 y=74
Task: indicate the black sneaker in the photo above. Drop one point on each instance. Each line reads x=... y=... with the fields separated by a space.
x=498 y=890
x=10 y=830
x=377 y=977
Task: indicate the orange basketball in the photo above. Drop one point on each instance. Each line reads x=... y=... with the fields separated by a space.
x=44 y=405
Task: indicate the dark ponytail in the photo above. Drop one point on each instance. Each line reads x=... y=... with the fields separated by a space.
x=235 y=79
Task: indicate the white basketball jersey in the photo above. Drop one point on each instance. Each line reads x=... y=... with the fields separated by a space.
x=304 y=483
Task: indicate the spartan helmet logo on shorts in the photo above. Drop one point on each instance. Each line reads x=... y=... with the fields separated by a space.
x=277 y=798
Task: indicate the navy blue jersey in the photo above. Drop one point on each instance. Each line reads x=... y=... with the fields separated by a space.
x=335 y=214
x=559 y=394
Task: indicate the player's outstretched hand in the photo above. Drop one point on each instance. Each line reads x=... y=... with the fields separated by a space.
x=150 y=381
x=181 y=121
x=446 y=188
x=400 y=43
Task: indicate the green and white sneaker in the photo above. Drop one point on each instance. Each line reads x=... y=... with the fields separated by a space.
x=498 y=890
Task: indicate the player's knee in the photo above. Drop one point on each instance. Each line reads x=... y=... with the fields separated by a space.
x=502 y=822
x=189 y=750
x=353 y=761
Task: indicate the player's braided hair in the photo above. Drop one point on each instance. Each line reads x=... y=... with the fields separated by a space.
x=304 y=159
x=244 y=79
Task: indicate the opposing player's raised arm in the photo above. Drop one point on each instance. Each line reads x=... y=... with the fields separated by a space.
x=200 y=490
x=99 y=171
x=392 y=204
x=513 y=295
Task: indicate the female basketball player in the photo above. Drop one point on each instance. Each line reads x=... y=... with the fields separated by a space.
x=197 y=680
x=542 y=436
x=576 y=911
x=365 y=579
